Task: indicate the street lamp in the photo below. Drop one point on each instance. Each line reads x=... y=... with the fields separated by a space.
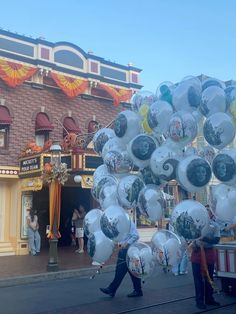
x=54 y=207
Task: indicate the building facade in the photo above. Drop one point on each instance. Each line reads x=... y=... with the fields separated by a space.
x=49 y=91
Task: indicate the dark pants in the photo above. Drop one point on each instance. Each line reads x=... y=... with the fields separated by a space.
x=203 y=289
x=121 y=271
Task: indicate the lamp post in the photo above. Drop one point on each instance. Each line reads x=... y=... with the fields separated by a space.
x=54 y=208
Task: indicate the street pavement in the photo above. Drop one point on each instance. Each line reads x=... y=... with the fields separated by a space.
x=163 y=293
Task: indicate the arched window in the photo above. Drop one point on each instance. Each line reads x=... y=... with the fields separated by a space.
x=5 y=121
x=42 y=128
x=93 y=126
x=69 y=126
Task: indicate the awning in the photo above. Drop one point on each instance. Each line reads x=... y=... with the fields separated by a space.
x=5 y=117
x=70 y=126
x=42 y=123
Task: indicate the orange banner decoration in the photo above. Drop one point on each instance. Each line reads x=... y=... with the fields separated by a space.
x=117 y=94
x=15 y=73
x=54 y=209
x=72 y=87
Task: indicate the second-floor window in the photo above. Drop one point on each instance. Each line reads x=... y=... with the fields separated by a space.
x=42 y=128
x=5 y=121
x=4 y=130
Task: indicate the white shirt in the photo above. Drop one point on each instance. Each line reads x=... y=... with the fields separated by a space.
x=132 y=236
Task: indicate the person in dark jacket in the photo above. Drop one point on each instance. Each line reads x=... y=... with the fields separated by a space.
x=203 y=260
x=122 y=268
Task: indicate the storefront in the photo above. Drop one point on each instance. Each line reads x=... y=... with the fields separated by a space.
x=35 y=194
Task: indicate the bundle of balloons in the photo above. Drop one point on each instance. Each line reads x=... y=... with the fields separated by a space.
x=152 y=144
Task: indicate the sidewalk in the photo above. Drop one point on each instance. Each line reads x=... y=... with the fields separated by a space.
x=26 y=269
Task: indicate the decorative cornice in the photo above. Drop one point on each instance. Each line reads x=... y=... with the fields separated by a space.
x=9 y=172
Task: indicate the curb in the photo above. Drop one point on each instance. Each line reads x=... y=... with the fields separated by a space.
x=63 y=274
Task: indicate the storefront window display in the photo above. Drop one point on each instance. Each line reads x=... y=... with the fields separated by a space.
x=26 y=203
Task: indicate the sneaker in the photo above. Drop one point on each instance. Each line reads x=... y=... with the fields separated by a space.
x=213 y=302
x=183 y=273
x=108 y=291
x=201 y=306
x=81 y=251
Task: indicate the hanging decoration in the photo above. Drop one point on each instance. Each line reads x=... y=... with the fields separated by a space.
x=55 y=176
x=117 y=94
x=72 y=87
x=14 y=74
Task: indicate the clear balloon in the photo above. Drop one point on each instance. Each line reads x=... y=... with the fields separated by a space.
x=193 y=173
x=149 y=177
x=99 y=247
x=159 y=115
x=141 y=148
x=187 y=95
x=100 y=172
x=100 y=139
x=142 y=98
x=118 y=161
x=167 y=248
x=100 y=183
x=127 y=126
x=164 y=91
x=182 y=127
x=224 y=202
x=140 y=260
x=224 y=166
x=128 y=190
x=190 y=219
x=219 y=130
x=164 y=162
x=212 y=82
x=108 y=196
x=115 y=223
x=230 y=93
x=143 y=111
x=190 y=151
x=213 y=101
x=92 y=221
x=113 y=144
x=150 y=202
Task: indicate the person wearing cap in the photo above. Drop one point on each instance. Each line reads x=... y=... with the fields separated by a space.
x=203 y=260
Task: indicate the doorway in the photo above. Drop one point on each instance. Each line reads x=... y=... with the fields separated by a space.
x=71 y=198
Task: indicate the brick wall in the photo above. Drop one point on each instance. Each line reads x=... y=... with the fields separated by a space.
x=24 y=101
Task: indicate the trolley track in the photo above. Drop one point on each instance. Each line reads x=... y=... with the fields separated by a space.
x=171 y=302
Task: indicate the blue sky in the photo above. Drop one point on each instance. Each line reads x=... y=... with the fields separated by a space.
x=167 y=39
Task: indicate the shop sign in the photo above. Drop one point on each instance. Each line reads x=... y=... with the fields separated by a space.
x=30 y=165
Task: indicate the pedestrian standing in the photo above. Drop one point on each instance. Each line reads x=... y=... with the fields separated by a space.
x=122 y=268
x=78 y=219
x=203 y=258
x=34 y=238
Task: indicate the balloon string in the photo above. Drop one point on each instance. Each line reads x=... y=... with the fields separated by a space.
x=98 y=271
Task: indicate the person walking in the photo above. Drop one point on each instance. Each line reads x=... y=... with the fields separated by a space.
x=78 y=219
x=203 y=258
x=33 y=234
x=122 y=268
